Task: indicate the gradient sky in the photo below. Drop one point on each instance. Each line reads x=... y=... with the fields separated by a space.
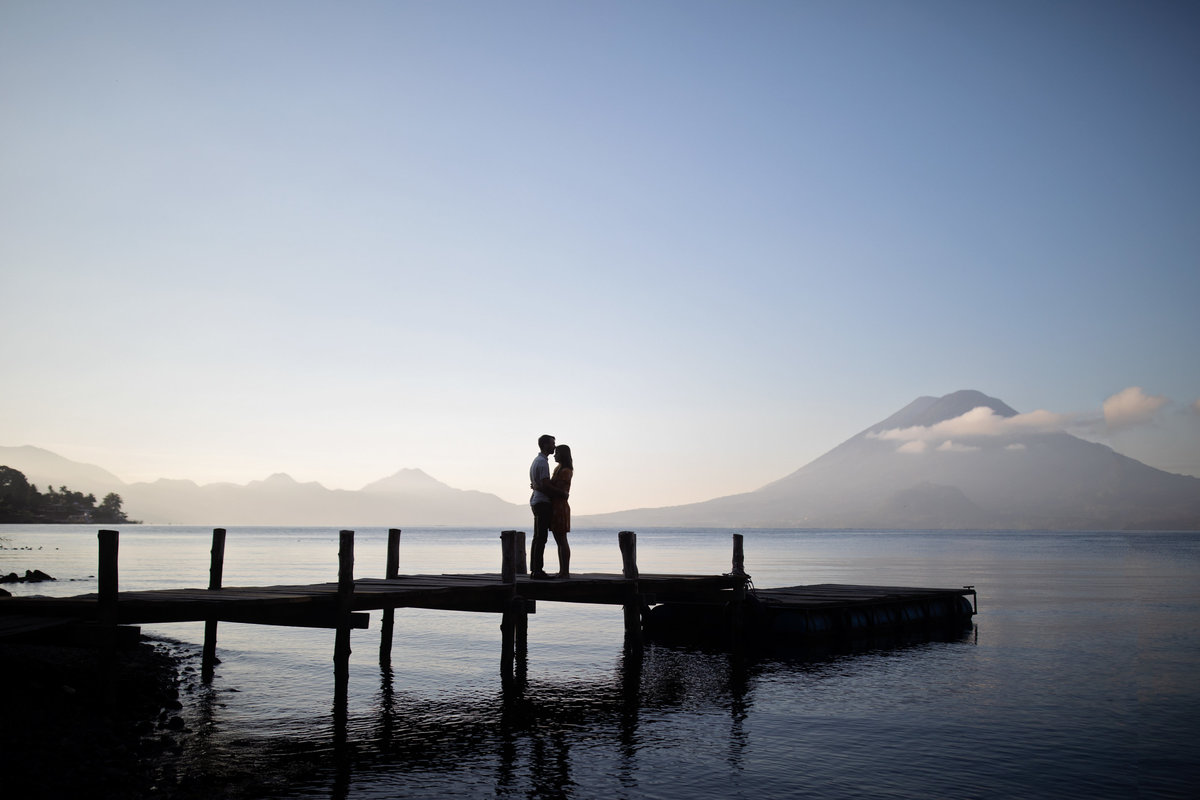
x=701 y=242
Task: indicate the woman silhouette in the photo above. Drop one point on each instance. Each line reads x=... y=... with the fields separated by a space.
x=560 y=509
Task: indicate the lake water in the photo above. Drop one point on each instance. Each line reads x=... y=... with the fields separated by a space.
x=1080 y=678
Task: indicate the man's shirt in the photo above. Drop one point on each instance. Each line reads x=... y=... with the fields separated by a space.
x=539 y=471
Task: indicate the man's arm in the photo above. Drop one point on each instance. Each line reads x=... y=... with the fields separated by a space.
x=547 y=488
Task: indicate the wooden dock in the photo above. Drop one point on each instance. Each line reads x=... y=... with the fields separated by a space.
x=316 y=605
x=682 y=605
x=799 y=614
x=342 y=605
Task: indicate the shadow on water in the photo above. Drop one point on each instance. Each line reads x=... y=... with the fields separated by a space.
x=521 y=740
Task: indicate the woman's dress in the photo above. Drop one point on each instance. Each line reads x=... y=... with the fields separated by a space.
x=560 y=509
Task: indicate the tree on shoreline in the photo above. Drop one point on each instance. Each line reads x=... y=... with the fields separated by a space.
x=21 y=502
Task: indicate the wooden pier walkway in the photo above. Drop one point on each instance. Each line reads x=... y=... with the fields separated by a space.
x=316 y=604
x=683 y=605
x=343 y=605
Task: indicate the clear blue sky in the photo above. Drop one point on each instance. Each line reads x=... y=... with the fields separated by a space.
x=701 y=242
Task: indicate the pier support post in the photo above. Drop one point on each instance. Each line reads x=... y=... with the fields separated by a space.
x=106 y=606
x=514 y=627
x=627 y=541
x=508 y=556
x=208 y=658
x=391 y=572
x=514 y=623
x=106 y=580
x=345 y=605
x=737 y=606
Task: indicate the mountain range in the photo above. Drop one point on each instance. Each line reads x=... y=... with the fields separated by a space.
x=964 y=461
x=410 y=497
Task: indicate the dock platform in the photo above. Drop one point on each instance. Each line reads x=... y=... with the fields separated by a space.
x=795 y=614
x=317 y=604
x=655 y=605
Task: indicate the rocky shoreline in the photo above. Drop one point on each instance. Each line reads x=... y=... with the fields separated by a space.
x=68 y=730
x=30 y=576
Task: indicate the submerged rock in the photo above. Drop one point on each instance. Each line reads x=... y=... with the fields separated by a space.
x=31 y=576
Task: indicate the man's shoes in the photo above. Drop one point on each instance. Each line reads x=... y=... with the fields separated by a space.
x=540 y=576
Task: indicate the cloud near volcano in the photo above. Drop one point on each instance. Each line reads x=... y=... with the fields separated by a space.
x=978 y=422
x=1131 y=406
x=1126 y=411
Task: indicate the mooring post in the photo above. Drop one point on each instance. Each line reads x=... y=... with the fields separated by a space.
x=106 y=607
x=508 y=619
x=216 y=568
x=737 y=606
x=341 y=647
x=106 y=580
x=391 y=571
x=739 y=558
x=520 y=608
x=508 y=556
x=627 y=541
x=345 y=605
x=514 y=622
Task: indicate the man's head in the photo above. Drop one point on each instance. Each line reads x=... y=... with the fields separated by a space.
x=546 y=444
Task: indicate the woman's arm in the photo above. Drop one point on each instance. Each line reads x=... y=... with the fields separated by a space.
x=554 y=486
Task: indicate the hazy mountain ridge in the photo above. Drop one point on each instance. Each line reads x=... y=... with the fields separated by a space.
x=45 y=469
x=409 y=497
x=963 y=461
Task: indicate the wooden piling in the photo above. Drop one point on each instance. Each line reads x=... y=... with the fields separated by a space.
x=392 y=568
x=391 y=572
x=341 y=651
x=627 y=541
x=737 y=606
x=345 y=606
x=208 y=658
x=511 y=625
x=508 y=557
x=514 y=622
x=106 y=606
x=106 y=589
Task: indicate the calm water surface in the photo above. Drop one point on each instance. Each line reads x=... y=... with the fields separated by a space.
x=1079 y=679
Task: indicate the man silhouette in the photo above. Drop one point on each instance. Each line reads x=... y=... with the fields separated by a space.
x=539 y=501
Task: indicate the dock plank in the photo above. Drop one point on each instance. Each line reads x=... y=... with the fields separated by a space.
x=840 y=594
x=465 y=592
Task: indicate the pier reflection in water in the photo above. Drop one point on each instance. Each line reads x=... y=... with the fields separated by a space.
x=529 y=737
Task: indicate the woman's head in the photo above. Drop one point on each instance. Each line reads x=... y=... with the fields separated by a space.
x=562 y=454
